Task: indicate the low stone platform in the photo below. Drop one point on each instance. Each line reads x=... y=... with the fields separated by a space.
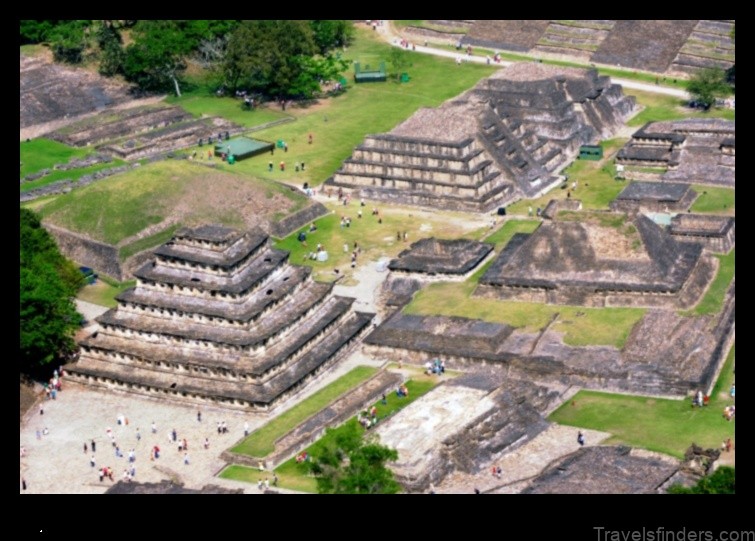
x=441 y=258
x=654 y=197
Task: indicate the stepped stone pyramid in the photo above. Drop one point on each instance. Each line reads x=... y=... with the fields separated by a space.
x=503 y=140
x=219 y=317
x=588 y=264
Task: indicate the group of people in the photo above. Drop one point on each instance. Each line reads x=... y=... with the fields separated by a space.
x=436 y=366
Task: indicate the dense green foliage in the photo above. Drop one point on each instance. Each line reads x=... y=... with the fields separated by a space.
x=707 y=85
x=48 y=283
x=722 y=481
x=352 y=465
x=280 y=58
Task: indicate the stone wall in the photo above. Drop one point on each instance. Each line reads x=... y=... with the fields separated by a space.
x=100 y=256
x=298 y=219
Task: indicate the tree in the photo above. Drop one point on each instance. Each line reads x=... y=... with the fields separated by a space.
x=722 y=481
x=156 y=58
x=268 y=56
x=351 y=465
x=69 y=40
x=707 y=85
x=330 y=34
x=399 y=60
x=112 y=56
x=48 y=282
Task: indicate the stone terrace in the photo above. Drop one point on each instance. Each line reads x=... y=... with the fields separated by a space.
x=436 y=256
x=606 y=470
x=692 y=150
x=585 y=264
x=708 y=46
x=578 y=38
x=510 y=35
x=650 y=45
x=505 y=139
x=463 y=425
x=219 y=316
x=655 y=197
x=666 y=354
x=716 y=233
x=143 y=131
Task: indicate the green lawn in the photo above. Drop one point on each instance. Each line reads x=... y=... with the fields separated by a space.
x=261 y=442
x=581 y=326
x=103 y=292
x=662 y=107
x=123 y=205
x=145 y=243
x=294 y=476
x=713 y=200
x=39 y=154
x=200 y=104
x=71 y=174
x=713 y=300
x=666 y=426
x=596 y=184
x=339 y=124
x=375 y=239
x=501 y=237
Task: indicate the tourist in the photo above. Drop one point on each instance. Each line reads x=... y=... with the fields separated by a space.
x=23 y=484
x=154 y=428
x=86 y=448
x=345 y=247
x=206 y=443
x=728 y=445
x=138 y=435
x=92 y=462
x=309 y=138
x=186 y=458
x=199 y=416
x=174 y=435
x=93 y=446
x=731 y=391
x=246 y=428
x=580 y=439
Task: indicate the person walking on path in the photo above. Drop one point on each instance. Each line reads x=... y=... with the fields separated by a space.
x=23 y=484
x=580 y=439
x=86 y=449
x=92 y=461
x=93 y=446
x=199 y=416
x=186 y=458
x=138 y=435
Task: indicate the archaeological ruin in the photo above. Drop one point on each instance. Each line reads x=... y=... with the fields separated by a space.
x=636 y=263
x=716 y=233
x=503 y=140
x=220 y=317
x=661 y=46
x=606 y=470
x=441 y=259
x=700 y=151
x=145 y=131
x=654 y=197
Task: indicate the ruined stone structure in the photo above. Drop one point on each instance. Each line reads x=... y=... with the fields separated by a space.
x=505 y=139
x=219 y=317
x=464 y=424
x=582 y=263
x=143 y=131
x=716 y=233
x=698 y=151
x=661 y=46
x=606 y=470
x=441 y=259
x=654 y=197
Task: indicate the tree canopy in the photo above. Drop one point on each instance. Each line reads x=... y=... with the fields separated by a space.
x=48 y=283
x=722 y=481
x=353 y=465
x=707 y=85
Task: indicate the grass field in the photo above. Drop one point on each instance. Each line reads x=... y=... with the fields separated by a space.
x=147 y=242
x=295 y=476
x=261 y=442
x=200 y=104
x=713 y=299
x=104 y=291
x=713 y=200
x=122 y=206
x=375 y=239
x=41 y=153
x=341 y=123
x=596 y=183
x=666 y=426
x=661 y=107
